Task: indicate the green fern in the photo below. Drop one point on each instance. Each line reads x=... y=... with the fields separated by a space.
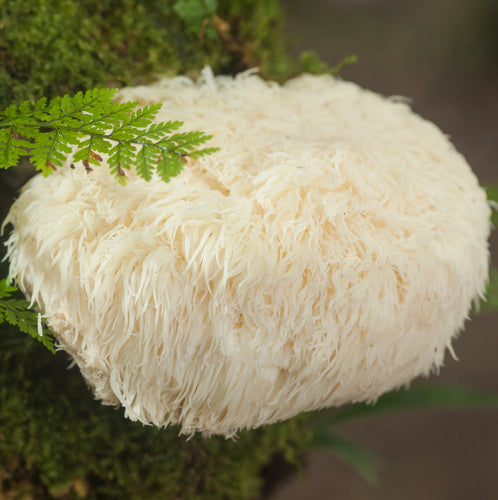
x=17 y=312
x=91 y=123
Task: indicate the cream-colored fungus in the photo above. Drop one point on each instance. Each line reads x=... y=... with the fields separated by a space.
x=329 y=252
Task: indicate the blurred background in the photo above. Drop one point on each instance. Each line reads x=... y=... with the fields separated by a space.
x=443 y=55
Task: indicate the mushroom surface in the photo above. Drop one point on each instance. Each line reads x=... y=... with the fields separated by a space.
x=327 y=253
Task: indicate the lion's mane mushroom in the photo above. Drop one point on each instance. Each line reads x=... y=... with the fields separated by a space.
x=329 y=252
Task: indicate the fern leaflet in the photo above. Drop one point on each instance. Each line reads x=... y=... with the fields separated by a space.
x=17 y=313
x=92 y=123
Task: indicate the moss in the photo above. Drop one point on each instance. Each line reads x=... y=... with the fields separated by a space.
x=53 y=47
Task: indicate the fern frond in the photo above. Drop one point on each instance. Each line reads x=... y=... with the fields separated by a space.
x=121 y=156
x=147 y=159
x=17 y=313
x=202 y=152
x=184 y=142
x=6 y=289
x=12 y=147
x=91 y=123
x=169 y=165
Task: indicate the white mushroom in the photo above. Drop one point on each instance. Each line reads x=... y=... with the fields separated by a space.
x=329 y=252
